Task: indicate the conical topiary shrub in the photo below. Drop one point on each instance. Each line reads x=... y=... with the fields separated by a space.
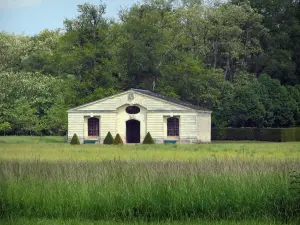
x=118 y=140
x=108 y=140
x=148 y=139
x=75 y=140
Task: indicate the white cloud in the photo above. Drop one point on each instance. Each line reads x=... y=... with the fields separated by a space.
x=17 y=3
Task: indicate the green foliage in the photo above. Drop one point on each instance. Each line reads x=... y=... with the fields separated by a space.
x=241 y=69
x=290 y=134
x=34 y=103
x=258 y=134
x=148 y=139
x=5 y=127
x=118 y=140
x=236 y=134
x=108 y=140
x=270 y=134
x=75 y=140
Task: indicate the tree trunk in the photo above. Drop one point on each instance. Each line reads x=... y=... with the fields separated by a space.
x=227 y=69
x=215 y=55
x=153 y=84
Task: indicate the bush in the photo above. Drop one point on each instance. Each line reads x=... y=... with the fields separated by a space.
x=108 y=140
x=263 y=134
x=75 y=140
x=235 y=134
x=118 y=140
x=297 y=134
x=290 y=134
x=148 y=139
x=270 y=134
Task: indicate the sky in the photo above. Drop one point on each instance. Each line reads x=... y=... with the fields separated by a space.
x=29 y=17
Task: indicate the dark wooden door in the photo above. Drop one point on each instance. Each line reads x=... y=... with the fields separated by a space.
x=93 y=127
x=133 y=131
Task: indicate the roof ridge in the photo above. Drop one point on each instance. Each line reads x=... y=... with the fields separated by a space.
x=170 y=99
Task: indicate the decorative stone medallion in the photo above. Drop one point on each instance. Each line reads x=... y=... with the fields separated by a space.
x=130 y=97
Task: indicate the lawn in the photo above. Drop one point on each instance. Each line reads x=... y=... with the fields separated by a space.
x=55 y=148
x=46 y=181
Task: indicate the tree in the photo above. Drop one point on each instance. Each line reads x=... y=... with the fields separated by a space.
x=85 y=49
x=5 y=127
x=226 y=36
x=279 y=57
x=27 y=99
x=13 y=49
x=280 y=107
x=149 y=42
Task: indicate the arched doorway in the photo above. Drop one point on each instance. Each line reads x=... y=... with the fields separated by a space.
x=93 y=127
x=133 y=131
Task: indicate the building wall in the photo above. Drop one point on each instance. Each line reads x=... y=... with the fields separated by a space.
x=78 y=123
x=204 y=127
x=123 y=117
x=155 y=126
x=194 y=127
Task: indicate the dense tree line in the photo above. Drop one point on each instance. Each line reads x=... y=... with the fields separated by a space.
x=239 y=58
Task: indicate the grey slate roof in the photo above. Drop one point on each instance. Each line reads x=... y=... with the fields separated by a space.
x=166 y=98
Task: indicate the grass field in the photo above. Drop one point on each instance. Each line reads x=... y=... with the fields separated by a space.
x=87 y=222
x=45 y=181
x=54 y=148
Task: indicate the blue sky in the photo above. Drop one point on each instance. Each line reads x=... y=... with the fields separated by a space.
x=32 y=16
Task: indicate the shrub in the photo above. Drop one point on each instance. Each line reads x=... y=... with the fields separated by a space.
x=290 y=134
x=148 y=139
x=118 y=140
x=108 y=140
x=297 y=133
x=270 y=134
x=247 y=133
x=75 y=140
x=263 y=134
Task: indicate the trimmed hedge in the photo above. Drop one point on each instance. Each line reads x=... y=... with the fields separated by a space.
x=290 y=134
x=235 y=134
x=75 y=140
x=118 y=140
x=108 y=140
x=148 y=139
x=270 y=134
x=257 y=134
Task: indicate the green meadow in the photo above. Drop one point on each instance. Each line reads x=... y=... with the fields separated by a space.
x=46 y=181
x=55 y=148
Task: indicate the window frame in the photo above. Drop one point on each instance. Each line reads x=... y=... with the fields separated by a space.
x=174 y=130
x=94 y=126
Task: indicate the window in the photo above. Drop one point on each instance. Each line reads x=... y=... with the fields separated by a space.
x=173 y=126
x=133 y=110
x=93 y=127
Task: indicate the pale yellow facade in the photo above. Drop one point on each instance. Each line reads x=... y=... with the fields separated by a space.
x=194 y=125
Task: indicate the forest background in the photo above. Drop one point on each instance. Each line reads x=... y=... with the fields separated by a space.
x=240 y=59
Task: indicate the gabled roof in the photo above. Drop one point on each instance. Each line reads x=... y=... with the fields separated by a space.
x=151 y=94
x=169 y=99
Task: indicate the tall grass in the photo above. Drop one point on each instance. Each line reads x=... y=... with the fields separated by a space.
x=211 y=189
x=24 y=221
